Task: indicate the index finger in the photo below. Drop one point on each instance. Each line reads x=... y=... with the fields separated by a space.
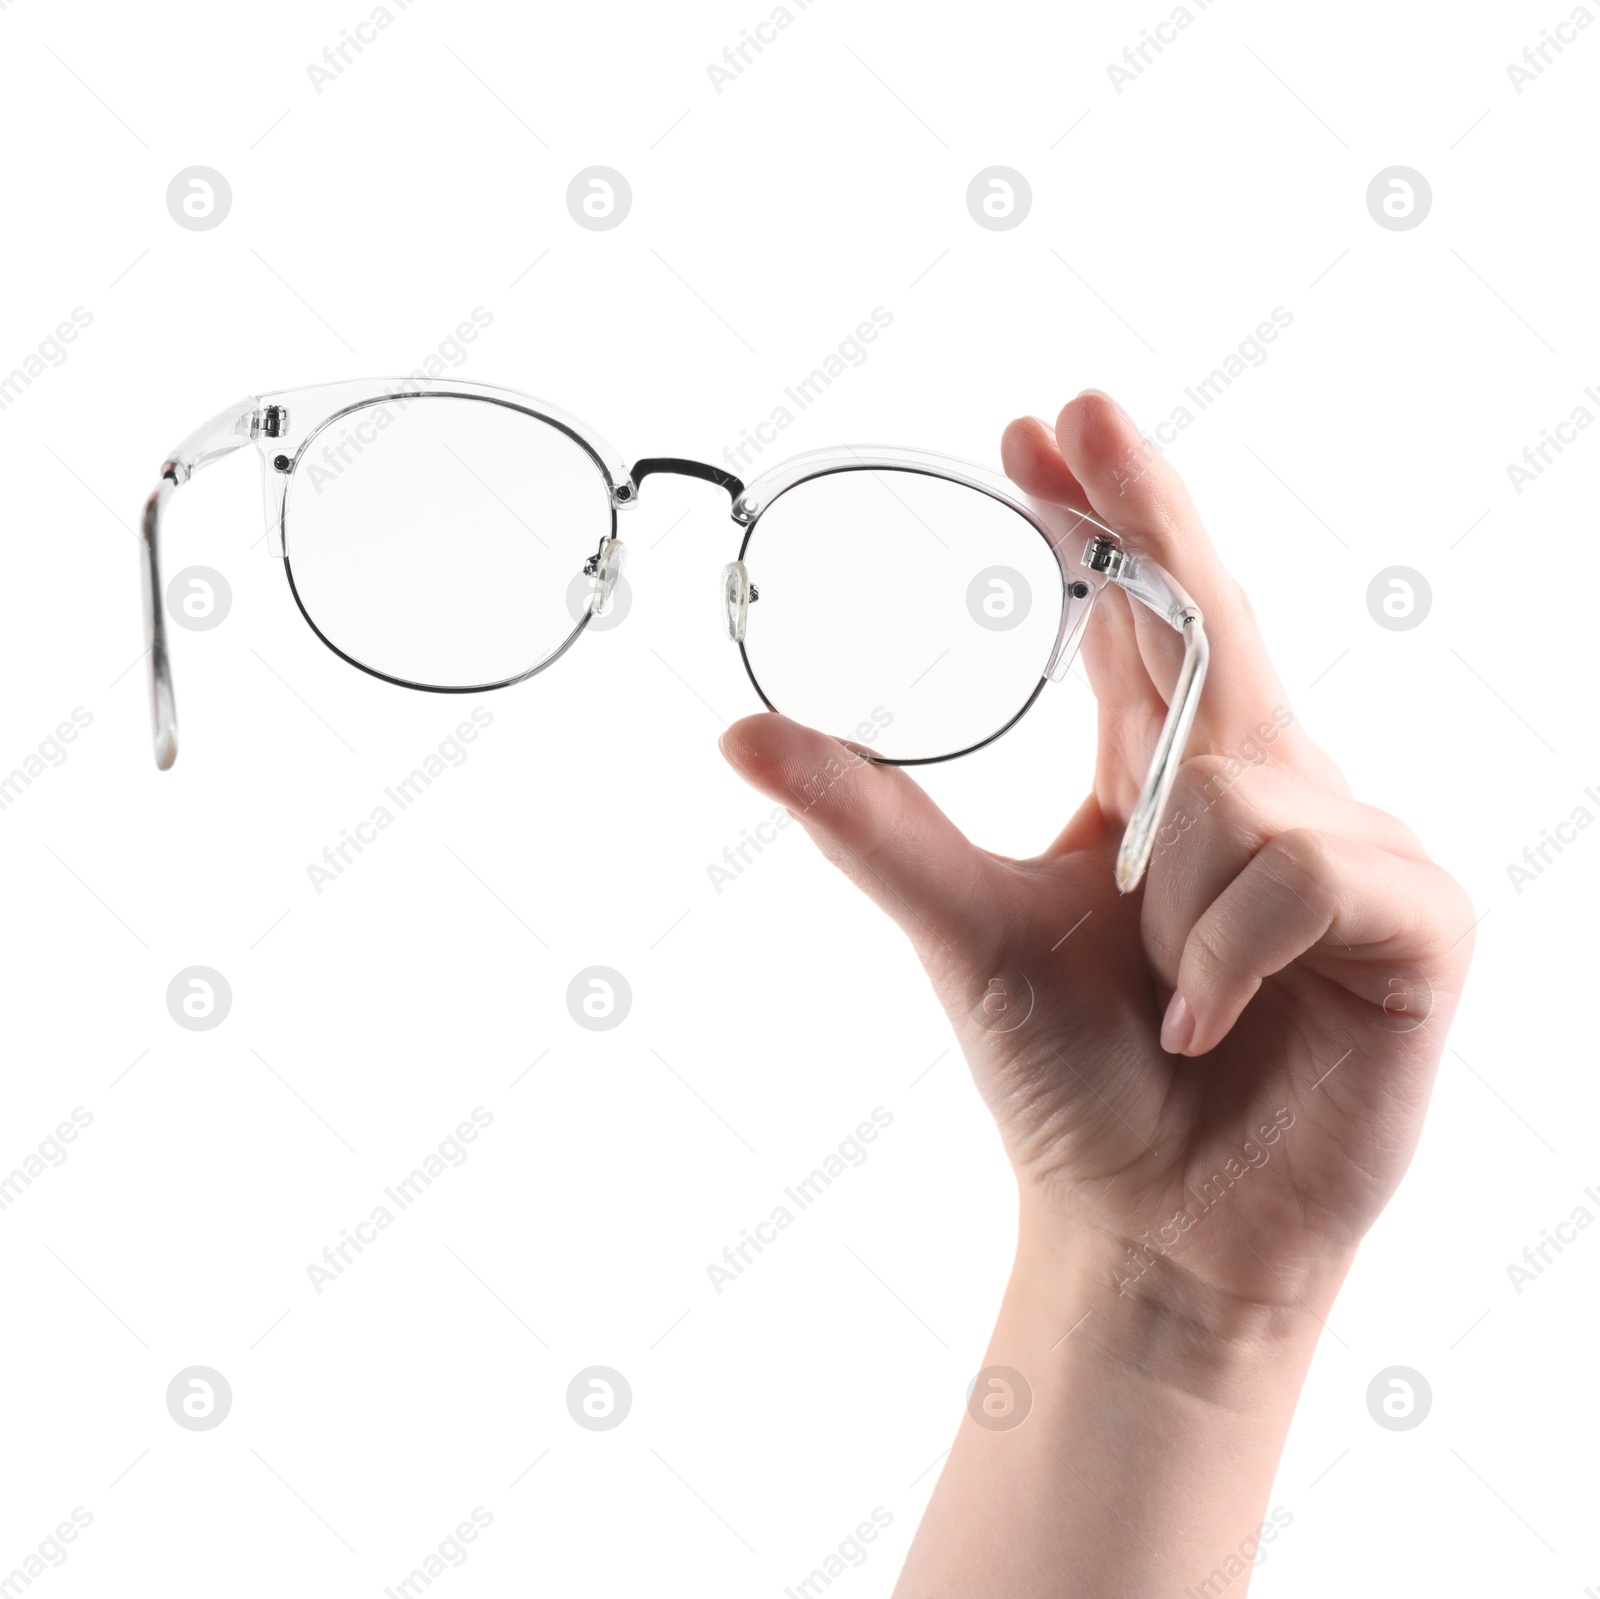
x=1134 y=490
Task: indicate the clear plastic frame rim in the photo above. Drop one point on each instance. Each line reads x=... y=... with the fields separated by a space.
x=312 y=431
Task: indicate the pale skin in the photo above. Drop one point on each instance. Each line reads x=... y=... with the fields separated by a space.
x=1231 y=1009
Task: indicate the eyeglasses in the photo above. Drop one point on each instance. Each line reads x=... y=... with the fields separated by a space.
x=456 y=538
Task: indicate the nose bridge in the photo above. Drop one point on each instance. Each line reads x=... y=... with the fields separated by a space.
x=676 y=466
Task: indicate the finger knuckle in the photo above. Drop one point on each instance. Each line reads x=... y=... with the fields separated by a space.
x=1453 y=920
x=1302 y=860
x=1206 y=789
x=1209 y=953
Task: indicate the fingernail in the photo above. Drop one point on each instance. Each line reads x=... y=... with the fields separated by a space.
x=1177 y=1027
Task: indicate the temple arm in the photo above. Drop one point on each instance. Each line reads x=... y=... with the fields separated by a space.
x=1150 y=584
x=223 y=434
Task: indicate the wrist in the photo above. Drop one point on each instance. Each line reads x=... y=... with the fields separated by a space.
x=1156 y=1321
x=1123 y=1432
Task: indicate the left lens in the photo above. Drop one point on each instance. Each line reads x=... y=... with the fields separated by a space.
x=899 y=610
x=433 y=538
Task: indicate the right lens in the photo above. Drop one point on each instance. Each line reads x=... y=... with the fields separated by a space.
x=433 y=538
x=901 y=610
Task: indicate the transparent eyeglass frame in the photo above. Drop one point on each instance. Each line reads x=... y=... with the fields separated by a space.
x=282 y=426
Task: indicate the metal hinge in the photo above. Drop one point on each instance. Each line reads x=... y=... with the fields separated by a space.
x=1104 y=556
x=272 y=423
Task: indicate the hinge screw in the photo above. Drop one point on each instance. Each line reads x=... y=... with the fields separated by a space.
x=1078 y=590
x=1104 y=556
x=281 y=462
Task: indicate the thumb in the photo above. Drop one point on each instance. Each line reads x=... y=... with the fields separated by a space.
x=877 y=826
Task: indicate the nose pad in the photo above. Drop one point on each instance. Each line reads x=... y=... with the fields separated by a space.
x=606 y=569
x=736 y=597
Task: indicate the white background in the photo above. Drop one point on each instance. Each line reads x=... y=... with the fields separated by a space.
x=769 y=1019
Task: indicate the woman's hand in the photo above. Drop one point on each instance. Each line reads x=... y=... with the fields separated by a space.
x=1210 y=1087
